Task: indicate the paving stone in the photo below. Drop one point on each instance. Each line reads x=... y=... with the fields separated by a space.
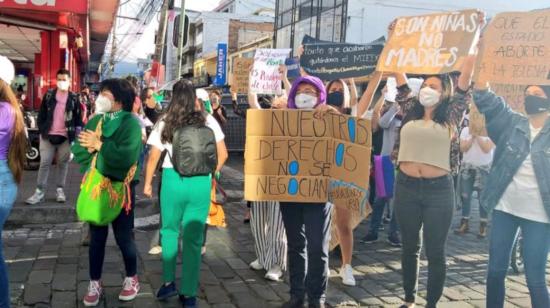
x=237 y=264
x=265 y=292
x=247 y=299
x=42 y=276
x=44 y=264
x=63 y=299
x=64 y=282
x=216 y=295
x=111 y=280
x=37 y=293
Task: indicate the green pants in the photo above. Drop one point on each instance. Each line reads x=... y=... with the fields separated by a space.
x=184 y=202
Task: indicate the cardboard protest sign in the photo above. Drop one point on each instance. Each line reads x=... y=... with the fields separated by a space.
x=241 y=73
x=330 y=61
x=430 y=44
x=516 y=48
x=292 y=156
x=265 y=77
x=513 y=95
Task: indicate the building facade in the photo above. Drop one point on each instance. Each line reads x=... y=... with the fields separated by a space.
x=362 y=21
x=245 y=7
x=206 y=30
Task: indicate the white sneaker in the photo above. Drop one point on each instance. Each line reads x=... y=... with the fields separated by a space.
x=60 y=195
x=346 y=272
x=157 y=250
x=255 y=265
x=36 y=198
x=274 y=273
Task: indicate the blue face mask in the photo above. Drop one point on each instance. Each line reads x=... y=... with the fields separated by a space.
x=335 y=99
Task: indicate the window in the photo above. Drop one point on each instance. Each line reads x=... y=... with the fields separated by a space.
x=302 y=28
x=286 y=19
x=331 y=25
x=285 y=5
x=283 y=37
x=326 y=31
x=304 y=11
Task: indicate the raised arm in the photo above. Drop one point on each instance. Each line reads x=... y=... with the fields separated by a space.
x=283 y=70
x=353 y=92
x=366 y=98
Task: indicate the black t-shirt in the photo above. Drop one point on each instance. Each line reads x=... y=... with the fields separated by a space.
x=151 y=113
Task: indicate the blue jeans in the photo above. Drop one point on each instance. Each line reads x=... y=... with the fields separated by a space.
x=472 y=179
x=8 y=193
x=376 y=218
x=535 y=241
x=308 y=235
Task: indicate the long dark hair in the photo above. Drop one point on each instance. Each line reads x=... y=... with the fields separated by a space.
x=143 y=94
x=181 y=111
x=441 y=112
x=18 y=144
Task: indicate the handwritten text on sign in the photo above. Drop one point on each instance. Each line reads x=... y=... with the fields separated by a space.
x=330 y=61
x=241 y=73
x=430 y=44
x=265 y=77
x=516 y=49
x=292 y=156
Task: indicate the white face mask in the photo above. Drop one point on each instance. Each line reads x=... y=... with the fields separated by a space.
x=103 y=104
x=63 y=85
x=428 y=97
x=305 y=101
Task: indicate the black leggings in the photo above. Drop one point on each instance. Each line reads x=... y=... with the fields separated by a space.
x=123 y=228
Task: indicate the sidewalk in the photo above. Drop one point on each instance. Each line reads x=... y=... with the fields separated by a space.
x=49 y=268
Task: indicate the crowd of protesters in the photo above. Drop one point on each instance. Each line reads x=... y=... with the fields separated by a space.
x=438 y=164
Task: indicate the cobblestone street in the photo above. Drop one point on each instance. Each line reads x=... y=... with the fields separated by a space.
x=48 y=267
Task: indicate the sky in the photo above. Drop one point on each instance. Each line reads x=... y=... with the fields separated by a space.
x=147 y=41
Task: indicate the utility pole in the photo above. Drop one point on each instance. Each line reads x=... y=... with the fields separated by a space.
x=180 y=40
x=111 y=66
x=161 y=35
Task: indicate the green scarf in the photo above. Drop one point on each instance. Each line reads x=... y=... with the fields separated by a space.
x=112 y=121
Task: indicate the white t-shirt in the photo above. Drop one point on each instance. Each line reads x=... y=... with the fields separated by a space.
x=475 y=155
x=155 y=138
x=522 y=197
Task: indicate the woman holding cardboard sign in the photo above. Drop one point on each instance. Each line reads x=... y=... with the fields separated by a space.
x=341 y=99
x=307 y=224
x=517 y=191
x=424 y=189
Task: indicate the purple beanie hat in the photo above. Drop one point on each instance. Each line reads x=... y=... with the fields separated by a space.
x=312 y=80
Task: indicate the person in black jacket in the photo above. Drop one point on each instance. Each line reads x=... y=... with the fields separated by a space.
x=59 y=122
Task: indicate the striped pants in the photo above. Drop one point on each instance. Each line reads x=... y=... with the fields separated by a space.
x=269 y=234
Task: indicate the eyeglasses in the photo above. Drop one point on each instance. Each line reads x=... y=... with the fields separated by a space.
x=309 y=92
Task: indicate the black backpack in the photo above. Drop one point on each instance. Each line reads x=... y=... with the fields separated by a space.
x=194 y=150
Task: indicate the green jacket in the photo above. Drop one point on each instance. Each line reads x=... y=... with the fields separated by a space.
x=121 y=137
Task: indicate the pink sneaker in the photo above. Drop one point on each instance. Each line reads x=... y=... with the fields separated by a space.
x=130 y=289
x=93 y=296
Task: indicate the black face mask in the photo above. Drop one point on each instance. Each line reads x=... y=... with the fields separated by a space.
x=536 y=104
x=336 y=99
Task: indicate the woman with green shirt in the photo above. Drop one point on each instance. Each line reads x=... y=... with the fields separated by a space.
x=118 y=148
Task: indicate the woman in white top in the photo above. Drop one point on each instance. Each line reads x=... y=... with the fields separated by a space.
x=518 y=189
x=185 y=201
x=476 y=162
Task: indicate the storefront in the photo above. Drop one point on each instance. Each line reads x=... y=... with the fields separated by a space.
x=42 y=36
